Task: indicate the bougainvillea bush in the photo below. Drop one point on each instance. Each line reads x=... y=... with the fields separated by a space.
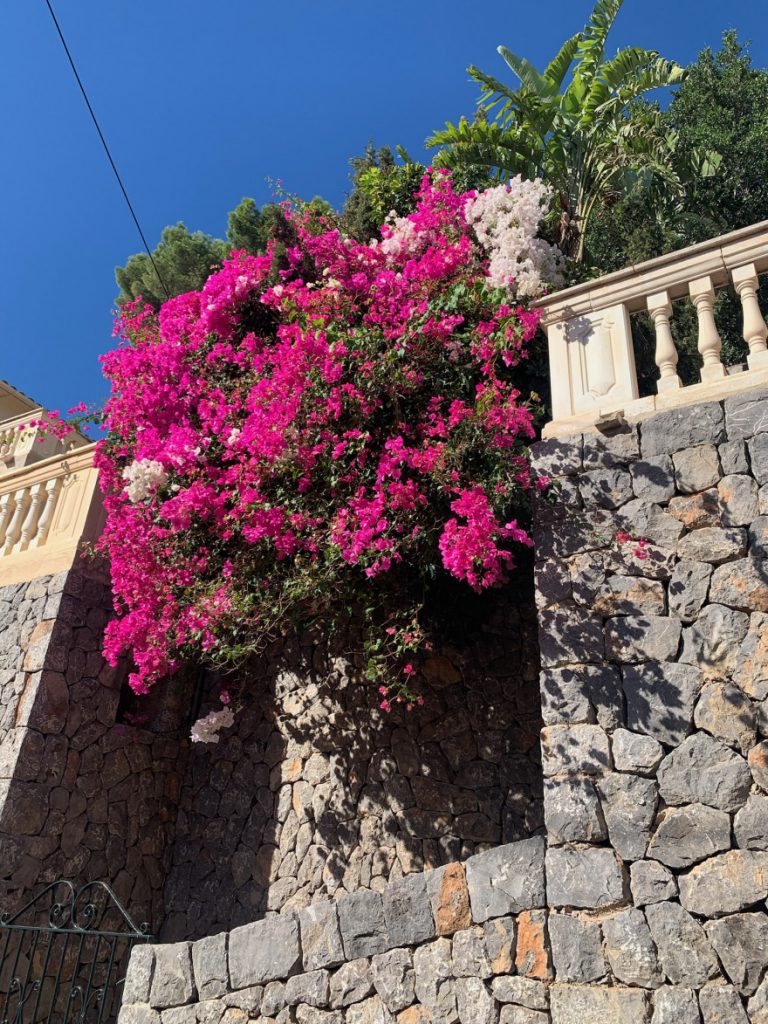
x=320 y=433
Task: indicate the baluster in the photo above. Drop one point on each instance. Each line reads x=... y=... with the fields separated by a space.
x=660 y=308
x=52 y=489
x=746 y=283
x=20 y=499
x=5 y=515
x=29 y=527
x=702 y=293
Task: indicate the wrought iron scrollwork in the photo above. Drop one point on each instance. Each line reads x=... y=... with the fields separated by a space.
x=63 y=953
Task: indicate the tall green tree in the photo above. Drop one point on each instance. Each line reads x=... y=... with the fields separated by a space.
x=577 y=125
x=183 y=260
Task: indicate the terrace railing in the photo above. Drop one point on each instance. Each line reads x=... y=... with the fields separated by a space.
x=591 y=354
x=47 y=510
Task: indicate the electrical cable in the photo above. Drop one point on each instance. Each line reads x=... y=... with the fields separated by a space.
x=106 y=147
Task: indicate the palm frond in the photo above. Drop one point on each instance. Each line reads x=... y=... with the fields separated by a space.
x=557 y=68
x=527 y=73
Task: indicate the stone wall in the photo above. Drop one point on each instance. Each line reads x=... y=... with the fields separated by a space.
x=82 y=796
x=455 y=943
x=314 y=792
x=645 y=901
x=654 y=690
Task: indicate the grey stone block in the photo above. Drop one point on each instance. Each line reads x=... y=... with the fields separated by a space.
x=635 y=753
x=651 y=882
x=606 y=488
x=566 y=635
x=686 y=835
x=352 y=983
x=750 y=825
x=607 y=450
x=320 y=936
x=267 y=950
x=312 y=988
x=741 y=942
x=172 y=982
x=751 y=670
x=683 y=428
x=363 y=928
x=713 y=642
x=696 y=468
x=725 y=884
x=434 y=980
x=713 y=544
x=642 y=638
x=139 y=1013
x=724 y=711
x=558 y=456
x=660 y=700
x=688 y=589
x=407 y=911
x=500 y=936
x=720 y=1004
x=758 y=457
x=572 y=811
x=758 y=764
x=394 y=979
x=372 y=1011
x=577 y=748
x=630 y=949
x=470 y=957
x=524 y=991
x=675 y=1006
x=738 y=499
x=742 y=585
x=757 y=535
x=584 y=878
x=652 y=523
x=475 y=1003
x=733 y=457
x=209 y=961
x=746 y=414
x=138 y=977
x=630 y=595
x=653 y=479
x=704 y=770
x=629 y=805
x=685 y=954
x=506 y=880
x=577 y=949
x=522 y=1015
x=592 y=1004
x=311 y=1015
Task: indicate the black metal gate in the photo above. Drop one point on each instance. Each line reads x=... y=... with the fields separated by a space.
x=63 y=956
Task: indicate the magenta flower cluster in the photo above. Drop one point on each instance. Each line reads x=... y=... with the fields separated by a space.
x=315 y=436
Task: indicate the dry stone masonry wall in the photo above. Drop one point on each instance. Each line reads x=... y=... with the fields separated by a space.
x=315 y=793
x=81 y=796
x=645 y=901
x=655 y=699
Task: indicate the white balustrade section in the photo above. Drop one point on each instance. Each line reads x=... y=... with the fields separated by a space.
x=592 y=362
x=22 y=445
x=47 y=511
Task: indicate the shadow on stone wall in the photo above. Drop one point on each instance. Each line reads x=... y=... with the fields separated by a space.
x=315 y=792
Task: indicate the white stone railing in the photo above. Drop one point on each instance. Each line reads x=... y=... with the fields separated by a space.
x=591 y=356
x=47 y=510
x=21 y=445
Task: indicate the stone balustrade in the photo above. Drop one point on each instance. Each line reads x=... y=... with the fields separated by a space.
x=22 y=445
x=592 y=362
x=47 y=510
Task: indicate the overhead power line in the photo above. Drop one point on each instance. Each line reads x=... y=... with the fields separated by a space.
x=112 y=164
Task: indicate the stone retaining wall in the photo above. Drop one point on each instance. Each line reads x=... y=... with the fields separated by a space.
x=645 y=902
x=314 y=792
x=82 y=796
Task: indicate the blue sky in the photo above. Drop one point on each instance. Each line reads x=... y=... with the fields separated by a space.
x=202 y=102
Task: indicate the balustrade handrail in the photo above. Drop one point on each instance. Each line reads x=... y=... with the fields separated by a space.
x=46 y=510
x=592 y=365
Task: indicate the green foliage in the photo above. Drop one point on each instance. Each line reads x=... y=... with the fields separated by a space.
x=183 y=259
x=577 y=125
x=722 y=108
